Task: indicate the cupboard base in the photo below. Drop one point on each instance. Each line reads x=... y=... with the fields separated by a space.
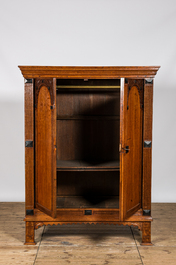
x=30 y=234
x=146 y=234
x=145 y=227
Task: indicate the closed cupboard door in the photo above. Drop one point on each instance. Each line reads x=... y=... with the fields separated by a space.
x=45 y=145
x=131 y=115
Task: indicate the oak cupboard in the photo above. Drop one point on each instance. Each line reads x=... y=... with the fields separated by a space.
x=88 y=146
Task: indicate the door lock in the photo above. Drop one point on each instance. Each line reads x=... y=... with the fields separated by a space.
x=126 y=149
x=123 y=150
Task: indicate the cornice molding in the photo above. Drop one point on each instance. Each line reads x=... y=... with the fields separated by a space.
x=89 y=72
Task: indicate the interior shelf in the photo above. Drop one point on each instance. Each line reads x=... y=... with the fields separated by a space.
x=88 y=201
x=86 y=87
x=89 y=117
x=80 y=165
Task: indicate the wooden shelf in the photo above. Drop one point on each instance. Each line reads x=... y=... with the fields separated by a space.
x=93 y=117
x=88 y=202
x=80 y=165
x=86 y=87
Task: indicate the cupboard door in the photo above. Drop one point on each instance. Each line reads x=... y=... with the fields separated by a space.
x=131 y=114
x=45 y=145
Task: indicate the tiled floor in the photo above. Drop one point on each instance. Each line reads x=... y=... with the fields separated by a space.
x=87 y=244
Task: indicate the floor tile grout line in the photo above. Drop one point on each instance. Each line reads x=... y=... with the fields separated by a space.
x=136 y=246
x=39 y=246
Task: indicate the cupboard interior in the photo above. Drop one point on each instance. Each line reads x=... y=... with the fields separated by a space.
x=88 y=128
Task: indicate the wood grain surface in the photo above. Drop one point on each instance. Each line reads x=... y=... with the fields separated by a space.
x=89 y=72
x=45 y=152
x=131 y=138
x=29 y=151
x=85 y=118
x=147 y=151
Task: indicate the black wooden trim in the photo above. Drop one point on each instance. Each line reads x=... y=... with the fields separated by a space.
x=88 y=212
x=147 y=144
x=147 y=212
x=149 y=81
x=29 y=212
x=29 y=81
x=29 y=144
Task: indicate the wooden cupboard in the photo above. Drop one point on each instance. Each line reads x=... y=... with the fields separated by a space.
x=88 y=146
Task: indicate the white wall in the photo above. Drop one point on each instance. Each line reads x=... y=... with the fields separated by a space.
x=92 y=32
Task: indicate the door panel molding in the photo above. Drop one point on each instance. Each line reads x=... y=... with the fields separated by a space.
x=45 y=150
x=131 y=114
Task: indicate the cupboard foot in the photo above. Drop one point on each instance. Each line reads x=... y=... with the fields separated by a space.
x=30 y=234
x=146 y=234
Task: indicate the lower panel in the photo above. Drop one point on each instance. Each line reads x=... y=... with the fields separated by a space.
x=77 y=215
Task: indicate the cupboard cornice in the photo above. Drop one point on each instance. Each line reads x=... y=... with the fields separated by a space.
x=89 y=72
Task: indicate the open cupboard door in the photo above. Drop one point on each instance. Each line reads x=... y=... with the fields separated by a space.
x=131 y=117
x=45 y=145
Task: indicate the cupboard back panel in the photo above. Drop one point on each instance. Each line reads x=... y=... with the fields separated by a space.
x=87 y=102
x=88 y=140
x=89 y=82
x=87 y=183
x=88 y=121
x=75 y=103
